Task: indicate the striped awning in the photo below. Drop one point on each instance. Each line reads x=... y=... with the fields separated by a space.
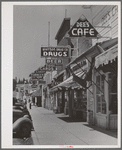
x=108 y=56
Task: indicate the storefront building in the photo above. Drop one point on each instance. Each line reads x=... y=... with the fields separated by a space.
x=106 y=101
x=102 y=94
x=94 y=97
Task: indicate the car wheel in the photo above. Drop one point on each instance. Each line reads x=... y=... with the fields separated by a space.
x=25 y=130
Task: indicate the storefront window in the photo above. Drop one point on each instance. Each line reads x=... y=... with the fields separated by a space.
x=101 y=103
x=112 y=93
x=60 y=98
x=80 y=100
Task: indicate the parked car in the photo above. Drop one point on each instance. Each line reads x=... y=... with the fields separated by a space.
x=22 y=122
x=24 y=110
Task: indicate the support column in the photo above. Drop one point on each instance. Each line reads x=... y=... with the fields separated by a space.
x=107 y=101
x=42 y=97
x=56 y=100
x=71 y=96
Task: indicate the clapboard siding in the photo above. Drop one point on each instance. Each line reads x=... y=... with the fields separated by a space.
x=99 y=12
x=107 y=16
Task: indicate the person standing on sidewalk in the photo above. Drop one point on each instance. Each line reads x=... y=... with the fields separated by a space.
x=29 y=103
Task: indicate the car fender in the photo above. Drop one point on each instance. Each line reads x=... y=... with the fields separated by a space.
x=19 y=122
x=18 y=107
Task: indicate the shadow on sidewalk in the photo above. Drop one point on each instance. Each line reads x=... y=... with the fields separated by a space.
x=112 y=133
x=70 y=120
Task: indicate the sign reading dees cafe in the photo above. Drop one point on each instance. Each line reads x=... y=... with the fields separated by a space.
x=83 y=28
x=54 y=51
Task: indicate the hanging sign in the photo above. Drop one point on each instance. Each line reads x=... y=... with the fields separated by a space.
x=50 y=67
x=54 y=61
x=83 y=28
x=37 y=75
x=55 y=51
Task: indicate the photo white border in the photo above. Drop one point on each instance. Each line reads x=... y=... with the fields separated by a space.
x=7 y=73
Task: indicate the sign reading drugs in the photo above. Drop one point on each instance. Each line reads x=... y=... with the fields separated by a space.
x=54 y=51
x=83 y=28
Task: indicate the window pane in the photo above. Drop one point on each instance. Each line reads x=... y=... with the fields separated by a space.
x=103 y=104
x=112 y=83
x=102 y=83
x=103 y=108
x=98 y=84
x=113 y=103
x=99 y=108
x=103 y=99
x=98 y=103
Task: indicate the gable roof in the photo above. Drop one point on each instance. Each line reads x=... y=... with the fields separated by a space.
x=62 y=25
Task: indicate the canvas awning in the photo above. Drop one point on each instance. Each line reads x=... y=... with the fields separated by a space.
x=108 y=56
x=37 y=93
x=68 y=82
x=100 y=47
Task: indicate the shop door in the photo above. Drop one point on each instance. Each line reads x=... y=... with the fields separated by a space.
x=39 y=101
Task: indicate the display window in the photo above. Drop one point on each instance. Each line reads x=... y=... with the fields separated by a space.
x=59 y=98
x=112 y=93
x=80 y=100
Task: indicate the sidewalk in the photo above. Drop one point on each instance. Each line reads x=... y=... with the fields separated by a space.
x=58 y=129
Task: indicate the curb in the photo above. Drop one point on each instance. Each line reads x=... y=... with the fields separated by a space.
x=35 y=138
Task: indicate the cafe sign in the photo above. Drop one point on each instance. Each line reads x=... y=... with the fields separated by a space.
x=83 y=28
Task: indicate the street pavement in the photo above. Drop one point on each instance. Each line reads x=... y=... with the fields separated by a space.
x=59 y=129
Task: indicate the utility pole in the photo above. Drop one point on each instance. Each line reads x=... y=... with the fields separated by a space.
x=49 y=43
x=48 y=33
x=65 y=13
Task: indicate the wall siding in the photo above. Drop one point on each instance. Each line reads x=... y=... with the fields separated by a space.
x=107 y=18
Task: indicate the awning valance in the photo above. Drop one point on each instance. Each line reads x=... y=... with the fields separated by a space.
x=107 y=56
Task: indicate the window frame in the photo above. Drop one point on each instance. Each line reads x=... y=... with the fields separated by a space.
x=101 y=94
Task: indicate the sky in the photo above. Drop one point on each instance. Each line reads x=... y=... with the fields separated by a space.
x=30 y=32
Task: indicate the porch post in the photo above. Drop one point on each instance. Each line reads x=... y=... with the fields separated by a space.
x=107 y=102
x=70 y=94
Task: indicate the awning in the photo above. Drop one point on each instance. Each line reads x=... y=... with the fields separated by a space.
x=107 y=56
x=68 y=82
x=14 y=94
x=37 y=93
x=98 y=47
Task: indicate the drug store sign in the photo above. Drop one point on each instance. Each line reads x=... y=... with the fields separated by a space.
x=54 y=51
x=83 y=28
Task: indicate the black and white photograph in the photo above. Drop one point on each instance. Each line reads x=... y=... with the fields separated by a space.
x=61 y=74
